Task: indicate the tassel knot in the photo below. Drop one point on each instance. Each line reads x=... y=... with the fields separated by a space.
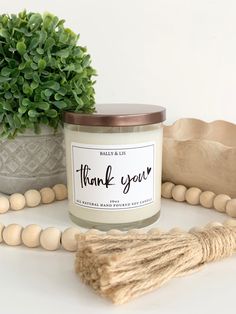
x=216 y=243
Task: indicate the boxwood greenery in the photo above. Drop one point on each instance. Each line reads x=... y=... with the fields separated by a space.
x=43 y=72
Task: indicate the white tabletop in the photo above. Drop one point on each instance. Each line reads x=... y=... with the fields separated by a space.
x=36 y=281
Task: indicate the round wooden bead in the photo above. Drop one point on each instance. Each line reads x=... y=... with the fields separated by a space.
x=230 y=223
x=207 y=199
x=192 y=196
x=12 y=234
x=166 y=189
x=220 y=202
x=4 y=204
x=17 y=201
x=32 y=198
x=47 y=195
x=30 y=236
x=1 y=231
x=231 y=208
x=68 y=239
x=50 y=239
x=60 y=191
x=178 y=193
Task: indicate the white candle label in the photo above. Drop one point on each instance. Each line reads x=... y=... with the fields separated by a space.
x=113 y=177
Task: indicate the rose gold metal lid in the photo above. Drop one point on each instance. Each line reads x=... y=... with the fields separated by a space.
x=118 y=115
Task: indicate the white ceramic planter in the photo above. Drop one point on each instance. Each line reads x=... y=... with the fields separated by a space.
x=196 y=153
x=32 y=161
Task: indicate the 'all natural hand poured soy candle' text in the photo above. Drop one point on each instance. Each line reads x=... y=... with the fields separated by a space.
x=114 y=165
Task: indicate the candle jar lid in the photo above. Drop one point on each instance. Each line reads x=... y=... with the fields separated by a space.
x=118 y=115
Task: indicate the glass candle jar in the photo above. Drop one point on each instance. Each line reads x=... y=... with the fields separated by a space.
x=114 y=163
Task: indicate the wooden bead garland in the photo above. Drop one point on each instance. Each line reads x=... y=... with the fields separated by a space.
x=100 y=254
x=51 y=239
x=194 y=196
x=33 y=236
x=33 y=198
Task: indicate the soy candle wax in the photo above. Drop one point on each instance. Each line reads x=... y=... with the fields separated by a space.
x=114 y=162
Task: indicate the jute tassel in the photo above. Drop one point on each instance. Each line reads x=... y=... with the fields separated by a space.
x=123 y=266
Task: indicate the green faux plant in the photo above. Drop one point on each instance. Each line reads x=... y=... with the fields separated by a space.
x=43 y=72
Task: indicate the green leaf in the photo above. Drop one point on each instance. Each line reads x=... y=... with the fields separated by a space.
x=21 y=47
x=34 y=85
x=49 y=43
x=33 y=114
x=48 y=92
x=4 y=33
x=62 y=91
x=40 y=51
x=86 y=61
x=6 y=71
x=58 y=96
x=78 y=100
x=4 y=79
x=20 y=80
x=8 y=95
x=60 y=104
x=27 y=89
x=22 y=110
x=22 y=66
x=35 y=20
x=1 y=117
x=53 y=85
x=34 y=67
x=42 y=37
x=34 y=43
x=17 y=121
x=52 y=113
x=42 y=64
x=7 y=106
x=43 y=105
x=64 y=53
x=26 y=102
x=10 y=120
x=36 y=77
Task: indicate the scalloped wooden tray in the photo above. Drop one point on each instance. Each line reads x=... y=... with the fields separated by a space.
x=201 y=154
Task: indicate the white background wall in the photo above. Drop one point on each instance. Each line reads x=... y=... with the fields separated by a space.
x=177 y=53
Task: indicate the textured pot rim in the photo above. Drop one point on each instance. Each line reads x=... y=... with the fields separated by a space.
x=44 y=131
